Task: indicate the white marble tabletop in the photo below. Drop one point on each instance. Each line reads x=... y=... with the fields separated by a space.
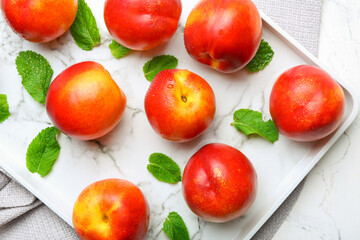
x=328 y=207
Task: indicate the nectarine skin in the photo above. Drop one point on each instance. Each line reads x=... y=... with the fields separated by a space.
x=84 y=102
x=179 y=105
x=39 y=20
x=219 y=183
x=223 y=34
x=142 y=24
x=111 y=209
x=306 y=104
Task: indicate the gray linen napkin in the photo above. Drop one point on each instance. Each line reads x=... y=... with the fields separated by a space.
x=23 y=217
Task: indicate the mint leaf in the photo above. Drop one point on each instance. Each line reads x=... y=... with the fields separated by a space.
x=157 y=64
x=36 y=74
x=175 y=228
x=164 y=168
x=250 y=122
x=43 y=151
x=118 y=50
x=84 y=29
x=262 y=57
x=4 y=108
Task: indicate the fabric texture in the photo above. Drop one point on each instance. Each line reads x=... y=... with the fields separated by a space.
x=300 y=18
x=23 y=217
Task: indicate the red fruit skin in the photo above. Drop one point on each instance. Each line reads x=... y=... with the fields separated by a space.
x=39 y=20
x=84 y=102
x=223 y=34
x=111 y=209
x=219 y=183
x=142 y=24
x=169 y=115
x=306 y=104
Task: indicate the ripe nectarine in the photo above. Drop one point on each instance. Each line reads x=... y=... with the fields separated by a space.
x=179 y=105
x=306 y=104
x=223 y=34
x=142 y=24
x=84 y=102
x=39 y=20
x=111 y=209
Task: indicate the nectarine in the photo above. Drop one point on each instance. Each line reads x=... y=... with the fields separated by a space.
x=219 y=183
x=223 y=34
x=84 y=102
x=39 y=20
x=306 y=104
x=142 y=24
x=179 y=105
x=111 y=209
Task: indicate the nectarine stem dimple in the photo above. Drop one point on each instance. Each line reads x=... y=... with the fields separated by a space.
x=105 y=218
x=184 y=99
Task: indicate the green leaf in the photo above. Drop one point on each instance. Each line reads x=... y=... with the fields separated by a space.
x=175 y=228
x=250 y=122
x=84 y=29
x=157 y=64
x=164 y=168
x=262 y=57
x=118 y=50
x=36 y=74
x=43 y=151
x=4 y=108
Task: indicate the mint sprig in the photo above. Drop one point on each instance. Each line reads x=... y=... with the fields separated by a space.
x=157 y=64
x=262 y=57
x=36 y=74
x=251 y=122
x=84 y=29
x=163 y=168
x=43 y=151
x=175 y=228
x=118 y=50
x=4 y=108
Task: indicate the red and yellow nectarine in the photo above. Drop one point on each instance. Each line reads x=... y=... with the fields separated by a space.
x=306 y=104
x=111 y=209
x=219 y=183
x=224 y=34
x=84 y=102
x=142 y=24
x=39 y=20
x=179 y=105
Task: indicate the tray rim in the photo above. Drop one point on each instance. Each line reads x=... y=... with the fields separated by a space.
x=296 y=46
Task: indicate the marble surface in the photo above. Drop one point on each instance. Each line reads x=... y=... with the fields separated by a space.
x=124 y=152
x=328 y=206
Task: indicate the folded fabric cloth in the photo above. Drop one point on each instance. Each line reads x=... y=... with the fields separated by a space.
x=23 y=217
x=301 y=19
x=14 y=200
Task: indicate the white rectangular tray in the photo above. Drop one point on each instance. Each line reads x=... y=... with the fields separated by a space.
x=124 y=152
